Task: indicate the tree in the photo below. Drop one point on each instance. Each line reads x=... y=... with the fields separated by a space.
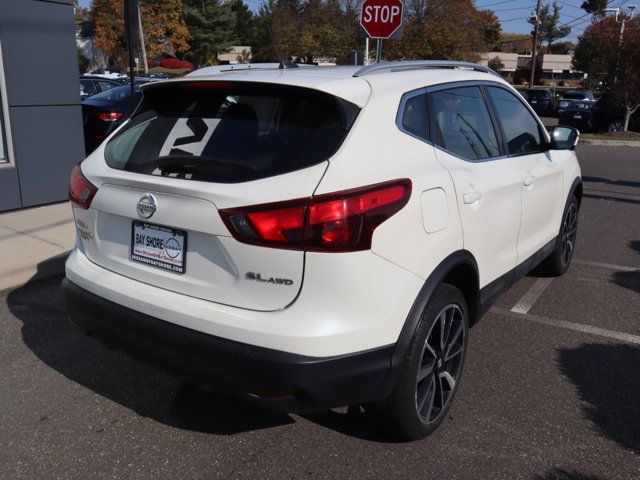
x=601 y=54
x=164 y=28
x=161 y=20
x=515 y=43
x=549 y=29
x=563 y=48
x=307 y=32
x=490 y=25
x=211 y=26
x=441 y=29
x=243 y=30
x=595 y=7
x=495 y=64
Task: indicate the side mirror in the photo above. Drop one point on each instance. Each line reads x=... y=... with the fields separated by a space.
x=563 y=138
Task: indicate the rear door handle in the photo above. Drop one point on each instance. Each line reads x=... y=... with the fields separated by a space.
x=471 y=197
x=528 y=181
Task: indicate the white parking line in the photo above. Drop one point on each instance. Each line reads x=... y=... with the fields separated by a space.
x=578 y=327
x=533 y=294
x=610 y=266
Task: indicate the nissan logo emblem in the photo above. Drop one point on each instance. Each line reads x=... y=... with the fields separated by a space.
x=147 y=206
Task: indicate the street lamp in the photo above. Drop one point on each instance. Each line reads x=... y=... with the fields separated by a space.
x=631 y=8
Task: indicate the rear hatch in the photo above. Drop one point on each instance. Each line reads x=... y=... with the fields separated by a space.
x=193 y=148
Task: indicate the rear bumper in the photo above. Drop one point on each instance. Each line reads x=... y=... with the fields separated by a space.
x=276 y=379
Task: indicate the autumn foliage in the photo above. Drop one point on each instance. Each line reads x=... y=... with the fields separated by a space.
x=162 y=23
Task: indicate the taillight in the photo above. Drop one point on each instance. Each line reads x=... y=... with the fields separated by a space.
x=335 y=222
x=81 y=190
x=110 y=116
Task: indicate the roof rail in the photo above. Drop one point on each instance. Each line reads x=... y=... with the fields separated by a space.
x=402 y=66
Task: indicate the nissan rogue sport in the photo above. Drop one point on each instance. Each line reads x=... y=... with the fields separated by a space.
x=308 y=238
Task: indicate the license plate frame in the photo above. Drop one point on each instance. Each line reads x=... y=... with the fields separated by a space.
x=141 y=251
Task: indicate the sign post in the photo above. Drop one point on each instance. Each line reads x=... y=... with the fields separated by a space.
x=381 y=19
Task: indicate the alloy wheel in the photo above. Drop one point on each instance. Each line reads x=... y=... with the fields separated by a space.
x=569 y=232
x=440 y=363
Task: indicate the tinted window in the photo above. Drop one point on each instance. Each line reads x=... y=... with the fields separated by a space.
x=414 y=115
x=538 y=93
x=463 y=122
x=87 y=87
x=521 y=130
x=574 y=96
x=230 y=132
x=104 y=85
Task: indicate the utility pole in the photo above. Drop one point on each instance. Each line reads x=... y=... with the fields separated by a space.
x=535 y=45
x=622 y=23
x=128 y=27
x=143 y=49
x=366 y=52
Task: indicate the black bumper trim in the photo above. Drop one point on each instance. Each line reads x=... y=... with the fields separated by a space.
x=280 y=380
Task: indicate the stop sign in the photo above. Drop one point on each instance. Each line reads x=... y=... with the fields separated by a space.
x=381 y=18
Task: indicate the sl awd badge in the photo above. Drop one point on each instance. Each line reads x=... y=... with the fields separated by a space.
x=256 y=277
x=147 y=206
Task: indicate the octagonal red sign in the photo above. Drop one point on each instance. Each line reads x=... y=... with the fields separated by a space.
x=381 y=18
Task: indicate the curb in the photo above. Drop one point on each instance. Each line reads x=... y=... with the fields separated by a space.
x=611 y=143
x=46 y=269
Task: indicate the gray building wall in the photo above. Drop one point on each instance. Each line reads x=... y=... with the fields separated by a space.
x=37 y=39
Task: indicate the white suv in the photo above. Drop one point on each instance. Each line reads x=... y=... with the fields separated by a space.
x=318 y=237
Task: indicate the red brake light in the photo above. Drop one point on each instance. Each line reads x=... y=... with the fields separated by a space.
x=110 y=116
x=341 y=221
x=81 y=190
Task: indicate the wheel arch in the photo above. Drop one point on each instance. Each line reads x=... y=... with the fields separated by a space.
x=459 y=269
x=576 y=189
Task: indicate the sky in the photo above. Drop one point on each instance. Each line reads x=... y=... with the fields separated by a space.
x=513 y=13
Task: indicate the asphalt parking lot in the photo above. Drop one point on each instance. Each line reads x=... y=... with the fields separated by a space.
x=551 y=389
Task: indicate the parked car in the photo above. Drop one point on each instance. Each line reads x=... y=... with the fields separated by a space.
x=607 y=116
x=104 y=112
x=109 y=74
x=577 y=115
x=90 y=85
x=571 y=96
x=542 y=100
x=307 y=241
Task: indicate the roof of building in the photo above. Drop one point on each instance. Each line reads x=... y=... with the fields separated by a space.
x=556 y=62
x=509 y=60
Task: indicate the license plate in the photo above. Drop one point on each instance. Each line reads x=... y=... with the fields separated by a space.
x=577 y=115
x=534 y=101
x=158 y=246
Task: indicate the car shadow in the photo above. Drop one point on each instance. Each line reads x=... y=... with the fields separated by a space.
x=607 y=380
x=629 y=279
x=147 y=391
x=562 y=474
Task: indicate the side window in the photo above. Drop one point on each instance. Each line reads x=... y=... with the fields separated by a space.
x=463 y=123
x=521 y=130
x=414 y=115
x=87 y=87
x=106 y=85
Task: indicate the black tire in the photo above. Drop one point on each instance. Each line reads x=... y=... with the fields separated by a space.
x=559 y=261
x=615 y=125
x=400 y=414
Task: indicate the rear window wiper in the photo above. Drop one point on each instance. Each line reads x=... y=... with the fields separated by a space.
x=192 y=164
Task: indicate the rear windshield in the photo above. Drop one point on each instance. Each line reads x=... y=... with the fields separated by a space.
x=230 y=132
